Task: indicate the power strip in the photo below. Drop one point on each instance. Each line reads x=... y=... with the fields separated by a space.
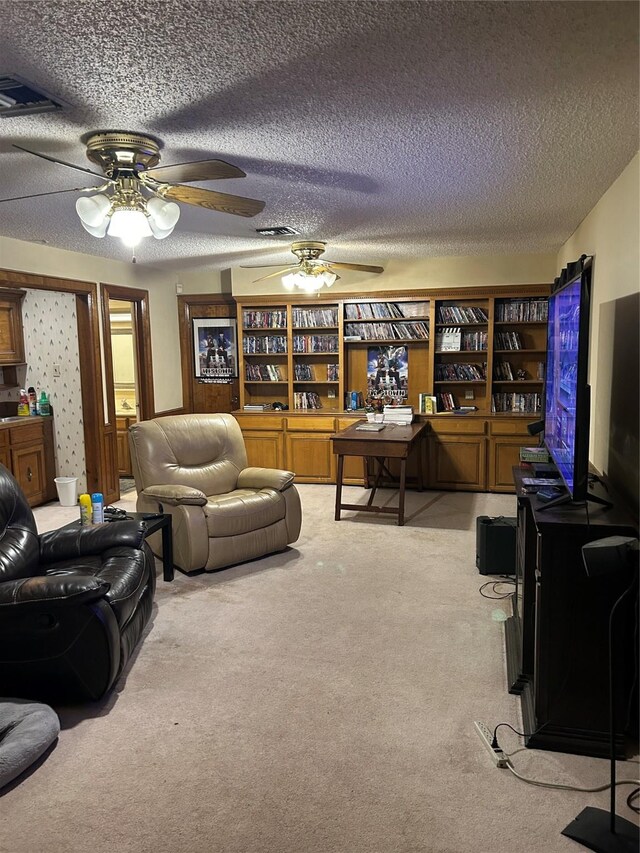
x=499 y=758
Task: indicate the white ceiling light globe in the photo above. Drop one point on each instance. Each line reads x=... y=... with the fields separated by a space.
x=98 y=231
x=165 y=214
x=92 y=210
x=130 y=225
x=159 y=233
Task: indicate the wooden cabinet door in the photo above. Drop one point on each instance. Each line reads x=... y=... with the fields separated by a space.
x=310 y=457
x=11 y=335
x=28 y=465
x=124 y=455
x=265 y=448
x=457 y=462
x=504 y=454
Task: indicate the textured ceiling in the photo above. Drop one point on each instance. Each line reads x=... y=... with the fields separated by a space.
x=388 y=129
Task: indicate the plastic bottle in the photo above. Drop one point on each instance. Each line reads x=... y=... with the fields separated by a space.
x=33 y=400
x=97 y=508
x=23 y=404
x=44 y=408
x=86 y=509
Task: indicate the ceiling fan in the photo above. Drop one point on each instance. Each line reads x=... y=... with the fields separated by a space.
x=311 y=273
x=137 y=197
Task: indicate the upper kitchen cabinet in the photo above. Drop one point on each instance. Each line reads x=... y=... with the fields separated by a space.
x=11 y=337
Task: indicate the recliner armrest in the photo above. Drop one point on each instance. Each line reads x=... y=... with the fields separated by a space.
x=175 y=495
x=52 y=589
x=265 y=478
x=90 y=540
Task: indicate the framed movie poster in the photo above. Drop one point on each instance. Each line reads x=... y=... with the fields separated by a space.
x=388 y=373
x=215 y=345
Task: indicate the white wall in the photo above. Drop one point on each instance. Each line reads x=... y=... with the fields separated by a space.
x=610 y=232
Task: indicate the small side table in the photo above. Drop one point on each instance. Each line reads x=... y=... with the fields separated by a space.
x=162 y=523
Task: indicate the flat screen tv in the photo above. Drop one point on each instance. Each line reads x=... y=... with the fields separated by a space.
x=567 y=392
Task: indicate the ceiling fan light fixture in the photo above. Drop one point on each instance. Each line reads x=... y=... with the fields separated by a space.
x=310 y=282
x=159 y=233
x=164 y=214
x=129 y=224
x=93 y=210
x=98 y=230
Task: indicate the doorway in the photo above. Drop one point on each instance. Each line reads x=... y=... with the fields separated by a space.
x=125 y=384
x=128 y=374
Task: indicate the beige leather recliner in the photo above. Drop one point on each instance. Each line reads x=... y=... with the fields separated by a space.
x=223 y=512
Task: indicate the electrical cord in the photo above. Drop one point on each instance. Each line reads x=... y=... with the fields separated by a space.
x=558 y=785
x=633 y=796
x=561 y=787
x=497 y=594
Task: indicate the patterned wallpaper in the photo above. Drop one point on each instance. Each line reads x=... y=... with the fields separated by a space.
x=50 y=338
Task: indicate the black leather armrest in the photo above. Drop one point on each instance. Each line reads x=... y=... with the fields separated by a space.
x=90 y=540
x=52 y=589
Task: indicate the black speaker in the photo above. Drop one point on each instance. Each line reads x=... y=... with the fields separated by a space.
x=496 y=545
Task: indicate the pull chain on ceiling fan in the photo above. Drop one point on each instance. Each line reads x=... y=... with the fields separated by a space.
x=310 y=273
x=137 y=198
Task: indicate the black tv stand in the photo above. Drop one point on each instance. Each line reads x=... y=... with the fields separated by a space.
x=566 y=499
x=557 y=638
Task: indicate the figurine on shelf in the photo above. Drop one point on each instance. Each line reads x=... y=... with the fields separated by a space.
x=521 y=374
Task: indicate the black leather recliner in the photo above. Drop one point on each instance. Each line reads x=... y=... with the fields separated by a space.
x=73 y=602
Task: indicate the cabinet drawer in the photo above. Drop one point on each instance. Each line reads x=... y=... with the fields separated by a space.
x=30 y=431
x=28 y=466
x=343 y=423
x=269 y=422
x=518 y=427
x=311 y=424
x=466 y=426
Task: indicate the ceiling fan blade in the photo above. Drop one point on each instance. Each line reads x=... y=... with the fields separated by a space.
x=273 y=274
x=257 y=266
x=214 y=201
x=199 y=170
x=53 y=192
x=360 y=267
x=61 y=162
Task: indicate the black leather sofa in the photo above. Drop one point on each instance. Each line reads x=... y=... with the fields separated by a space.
x=73 y=602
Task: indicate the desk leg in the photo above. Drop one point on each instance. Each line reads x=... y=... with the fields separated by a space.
x=403 y=476
x=167 y=552
x=339 y=486
x=420 y=475
x=376 y=482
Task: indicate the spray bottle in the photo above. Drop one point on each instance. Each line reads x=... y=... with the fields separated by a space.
x=23 y=404
x=33 y=400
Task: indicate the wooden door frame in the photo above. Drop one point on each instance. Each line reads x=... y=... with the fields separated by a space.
x=142 y=340
x=90 y=364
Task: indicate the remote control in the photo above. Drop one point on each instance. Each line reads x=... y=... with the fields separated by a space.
x=148 y=516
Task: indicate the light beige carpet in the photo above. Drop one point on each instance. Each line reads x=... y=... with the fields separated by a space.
x=318 y=700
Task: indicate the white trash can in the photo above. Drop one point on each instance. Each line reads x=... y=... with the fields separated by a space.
x=67 y=488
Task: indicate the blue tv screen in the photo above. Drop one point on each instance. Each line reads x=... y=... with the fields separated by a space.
x=566 y=422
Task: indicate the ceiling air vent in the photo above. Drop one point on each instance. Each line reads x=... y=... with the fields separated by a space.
x=278 y=231
x=19 y=98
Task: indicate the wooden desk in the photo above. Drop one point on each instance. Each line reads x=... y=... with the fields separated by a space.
x=392 y=442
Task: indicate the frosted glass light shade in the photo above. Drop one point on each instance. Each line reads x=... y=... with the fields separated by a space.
x=159 y=233
x=130 y=225
x=99 y=230
x=309 y=283
x=164 y=214
x=92 y=210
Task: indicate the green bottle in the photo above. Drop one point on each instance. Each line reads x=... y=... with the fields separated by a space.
x=43 y=405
